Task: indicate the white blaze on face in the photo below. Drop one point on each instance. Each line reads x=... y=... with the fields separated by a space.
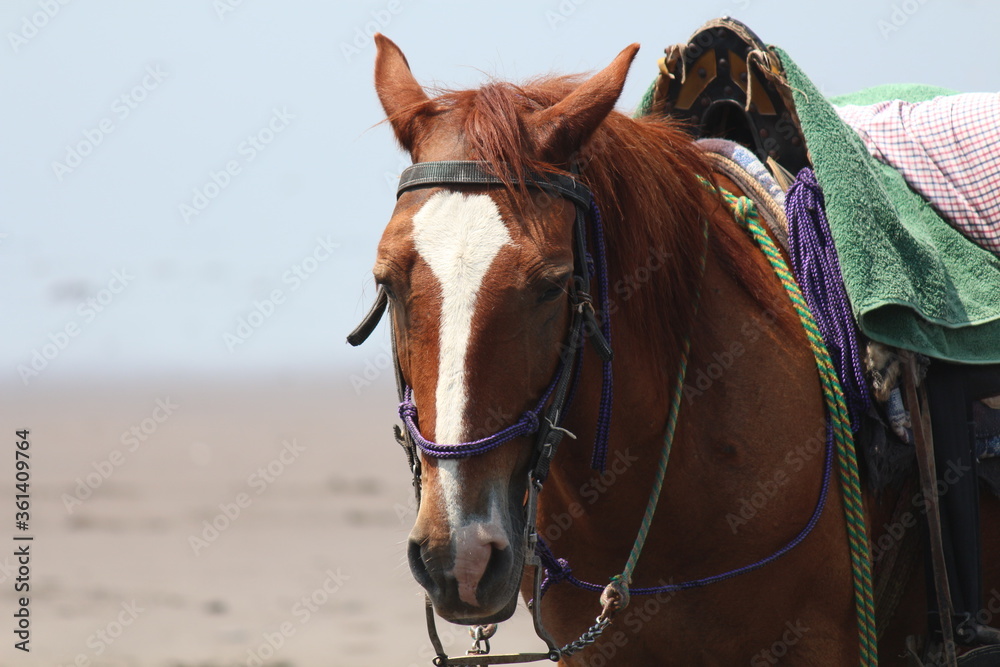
x=458 y=235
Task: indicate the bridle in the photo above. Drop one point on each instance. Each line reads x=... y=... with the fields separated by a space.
x=544 y=421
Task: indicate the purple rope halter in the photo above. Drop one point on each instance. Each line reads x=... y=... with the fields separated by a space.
x=526 y=425
x=817 y=269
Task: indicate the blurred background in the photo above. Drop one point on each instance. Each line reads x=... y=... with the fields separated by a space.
x=191 y=194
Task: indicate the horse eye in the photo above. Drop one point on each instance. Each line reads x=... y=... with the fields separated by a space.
x=552 y=293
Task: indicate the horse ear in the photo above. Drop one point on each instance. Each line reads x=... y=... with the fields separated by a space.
x=400 y=94
x=564 y=127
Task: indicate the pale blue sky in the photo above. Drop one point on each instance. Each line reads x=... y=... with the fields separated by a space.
x=280 y=94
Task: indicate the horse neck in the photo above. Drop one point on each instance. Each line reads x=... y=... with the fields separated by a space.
x=743 y=478
x=749 y=398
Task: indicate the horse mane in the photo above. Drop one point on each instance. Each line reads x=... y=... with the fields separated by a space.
x=644 y=177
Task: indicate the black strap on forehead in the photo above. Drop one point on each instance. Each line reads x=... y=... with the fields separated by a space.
x=469 y=172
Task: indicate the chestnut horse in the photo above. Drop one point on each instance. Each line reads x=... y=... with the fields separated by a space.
x=478 y=279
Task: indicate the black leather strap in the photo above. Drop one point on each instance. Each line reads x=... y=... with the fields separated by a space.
x=468 y=172
x=370 y=321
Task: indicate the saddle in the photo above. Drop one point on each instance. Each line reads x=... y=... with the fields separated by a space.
x=726 y=83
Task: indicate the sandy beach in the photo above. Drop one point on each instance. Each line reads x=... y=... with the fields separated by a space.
x=253 y=522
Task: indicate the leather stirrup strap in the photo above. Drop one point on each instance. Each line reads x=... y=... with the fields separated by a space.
x=916 y=399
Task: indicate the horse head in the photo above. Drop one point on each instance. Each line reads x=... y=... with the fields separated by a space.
x=479 y=280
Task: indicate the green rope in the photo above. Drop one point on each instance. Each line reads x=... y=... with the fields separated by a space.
x=745 y=212
x=668 y=440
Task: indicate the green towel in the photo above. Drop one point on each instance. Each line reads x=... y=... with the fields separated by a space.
x=914 y=282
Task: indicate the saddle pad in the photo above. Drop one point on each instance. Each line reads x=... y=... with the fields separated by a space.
x=741 y=165
x=914 y=281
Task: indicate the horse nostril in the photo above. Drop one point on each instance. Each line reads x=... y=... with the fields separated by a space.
x=482 y=557
x=498 y=568
x=419 y=557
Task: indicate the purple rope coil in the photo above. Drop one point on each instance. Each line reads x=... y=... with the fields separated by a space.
x=817 y=270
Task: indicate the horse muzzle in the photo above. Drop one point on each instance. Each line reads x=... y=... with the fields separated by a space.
x=473 y=574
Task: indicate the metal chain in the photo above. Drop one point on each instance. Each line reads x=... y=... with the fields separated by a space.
x=481 y=635
x=587 y=638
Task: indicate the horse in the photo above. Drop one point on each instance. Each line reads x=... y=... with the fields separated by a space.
x=481 y=279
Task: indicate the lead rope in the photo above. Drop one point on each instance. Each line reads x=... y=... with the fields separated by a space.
x=616 y=594
x=746 y=214
x=618 y=589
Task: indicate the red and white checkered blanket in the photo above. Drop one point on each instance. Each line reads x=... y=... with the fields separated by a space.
x=947 y=149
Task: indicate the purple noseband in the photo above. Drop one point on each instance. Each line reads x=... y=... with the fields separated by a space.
x=526 y=425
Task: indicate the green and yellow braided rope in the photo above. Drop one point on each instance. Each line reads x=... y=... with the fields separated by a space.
x=745 y=212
